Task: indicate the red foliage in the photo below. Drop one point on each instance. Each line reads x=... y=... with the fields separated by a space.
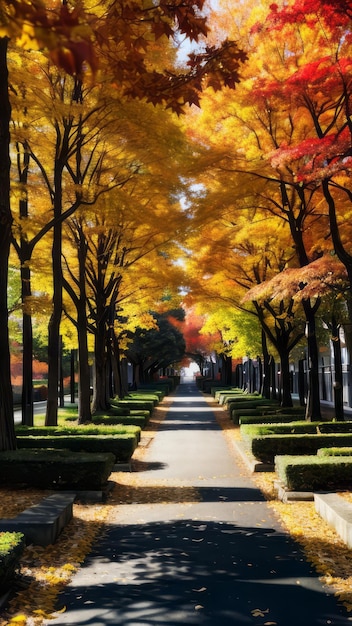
x=334 y=13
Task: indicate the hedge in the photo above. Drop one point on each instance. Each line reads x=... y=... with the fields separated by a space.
x=335 y=451
x=295 y=428
x=120 y=446
x=82 y=430
x=55 y=469
x=133 y=404
x=312 y=473
x=117 y=420
x=267 y=447
x=268 y=418
x=11 y=549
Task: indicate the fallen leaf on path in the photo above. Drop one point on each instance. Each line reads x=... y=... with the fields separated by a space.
x=259 y=612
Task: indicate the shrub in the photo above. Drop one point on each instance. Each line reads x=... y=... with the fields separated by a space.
x=335 y=451
x=11 y=549
x=82 y=430
x=309 y=473
x=269 y=418
x=55 y=469
x=267 y=447
x=120 y=446
x=295 y=428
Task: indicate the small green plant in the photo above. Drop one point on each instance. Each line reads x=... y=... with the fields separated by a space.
x=11 y=548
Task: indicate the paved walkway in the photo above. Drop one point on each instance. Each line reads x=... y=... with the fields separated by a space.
x=212 y=555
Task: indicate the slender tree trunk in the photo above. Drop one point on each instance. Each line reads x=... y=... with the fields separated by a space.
x=286 y=397
x=273 y=378
x=226 y=373
x=7 y=428
x=100 y=402
x=25 y=253
x=301 y=383
x=84 y=399
x=55 y=318
x=61 y=375
x=27 y=352
x=313 y=411
x=84 y=407
x=338 y=384
x=265 y=391
x=72 y=377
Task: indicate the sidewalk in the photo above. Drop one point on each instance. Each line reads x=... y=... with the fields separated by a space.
x=209 y=553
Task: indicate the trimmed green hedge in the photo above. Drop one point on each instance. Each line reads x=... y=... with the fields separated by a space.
x=56 y=469
x=218 y=390
x=121 y=446
x=295 y=428
x=268 y=418
x=233 y=405
x=335 y=451
x=311 y=473
x=142 y=396
x=133 y=404
x=11 y=548
x=117 y=420
x=224 y=395
x=75 y=431
x=267 y=447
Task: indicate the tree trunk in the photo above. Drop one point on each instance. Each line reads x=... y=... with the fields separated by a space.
x=301 y=383
x=313 y=411
x=226 y=370
x=7 y=428
x=27 y=349
x=100 y=402
x=55 y=318
x=265 y=390
x=273 y=378
x=72 y=377
x=286 y=397
x=338 y=384
x=25 y=253
x=84 y=407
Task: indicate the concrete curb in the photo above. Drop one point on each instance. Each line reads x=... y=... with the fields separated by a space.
x=330 y=506
x=337 y=512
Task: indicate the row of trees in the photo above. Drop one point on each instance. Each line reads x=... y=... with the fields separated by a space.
x=98 y=168
x=96 y=220
x=273 y=195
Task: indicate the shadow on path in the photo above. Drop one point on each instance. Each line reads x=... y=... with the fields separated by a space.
x=198 y=572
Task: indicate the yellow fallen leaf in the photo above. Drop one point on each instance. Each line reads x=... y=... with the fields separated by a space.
x=40 y=612
x=259 y=612
x=20 y=620
x=200 y=590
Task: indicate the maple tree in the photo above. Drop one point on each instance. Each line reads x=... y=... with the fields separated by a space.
x=199 y=345
x=324 y=277
x=234 y=255
x=252 y=131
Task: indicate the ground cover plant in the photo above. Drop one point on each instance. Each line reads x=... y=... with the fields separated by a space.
x=11 y=549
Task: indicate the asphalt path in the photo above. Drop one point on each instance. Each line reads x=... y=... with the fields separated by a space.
x=218 y=559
